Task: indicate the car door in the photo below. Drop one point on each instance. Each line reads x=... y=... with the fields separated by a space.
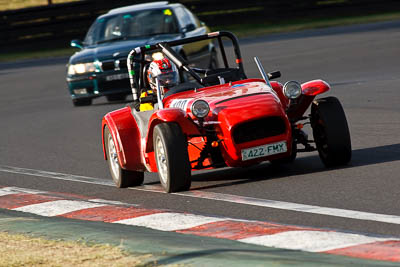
x=198 y=53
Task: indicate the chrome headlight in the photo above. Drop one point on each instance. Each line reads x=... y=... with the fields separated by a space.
x=200 y=108
x=292 y=89
x=81 y=68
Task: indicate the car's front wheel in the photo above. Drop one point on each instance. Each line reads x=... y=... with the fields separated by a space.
x=121 y=177
x=331 y=132
x=170 y=147
x=79 y=102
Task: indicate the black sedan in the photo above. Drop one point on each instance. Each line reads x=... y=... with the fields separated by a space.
x=99 y=68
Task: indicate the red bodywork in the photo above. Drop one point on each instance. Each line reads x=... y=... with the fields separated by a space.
x=231 y=105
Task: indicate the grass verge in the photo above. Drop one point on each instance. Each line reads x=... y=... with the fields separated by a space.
x=241 y=30
x=246 y=30
x=23 y=250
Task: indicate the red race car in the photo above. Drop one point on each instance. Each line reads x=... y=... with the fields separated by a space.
x=185 y=118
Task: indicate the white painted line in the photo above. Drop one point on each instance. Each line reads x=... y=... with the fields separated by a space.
x=58 y=207
x=55 y=175
x=351 y=214
x=110 y=202
x=15 y=190
x=170 y=221
x=312 y=241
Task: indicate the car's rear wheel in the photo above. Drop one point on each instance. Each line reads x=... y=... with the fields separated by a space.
x=116 y=97
x=331 y=132
x=170 y=147
x=79 y=102
x=121 y=177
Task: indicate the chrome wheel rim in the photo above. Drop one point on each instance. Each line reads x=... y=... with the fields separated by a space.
x=161 y=160
x=113 y=158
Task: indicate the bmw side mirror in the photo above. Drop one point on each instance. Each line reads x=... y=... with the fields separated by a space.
x=189 y=28
x=77 y=44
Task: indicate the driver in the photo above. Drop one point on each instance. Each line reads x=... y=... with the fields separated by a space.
x=167 y=74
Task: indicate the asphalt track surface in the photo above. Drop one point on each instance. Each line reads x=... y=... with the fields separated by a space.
x=41 y=130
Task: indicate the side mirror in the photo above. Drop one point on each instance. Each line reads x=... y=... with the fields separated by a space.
x=189 y=28
x=77 y=44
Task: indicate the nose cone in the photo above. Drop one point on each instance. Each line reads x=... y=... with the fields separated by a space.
x=250 y=121
x=234 y=111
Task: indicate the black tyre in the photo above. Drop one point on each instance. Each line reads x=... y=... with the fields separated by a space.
x=170 y=147
x=122 y=178
x=331 y=132
x=117 y=97
x=82 y=102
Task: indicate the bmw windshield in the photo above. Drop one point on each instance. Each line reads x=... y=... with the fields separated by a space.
x=131 y=25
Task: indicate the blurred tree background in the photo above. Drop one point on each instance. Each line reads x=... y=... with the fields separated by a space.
x=17 y=4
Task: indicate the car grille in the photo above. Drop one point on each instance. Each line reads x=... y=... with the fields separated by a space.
x=258 y=129
x=108 y=65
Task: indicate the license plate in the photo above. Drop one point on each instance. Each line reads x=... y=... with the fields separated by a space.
x=264 y=150
x=117 y=77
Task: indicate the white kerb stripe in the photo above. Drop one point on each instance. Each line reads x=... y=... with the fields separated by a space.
x=170 y=221
x=58 y=207
x=312 y=241
x=5 y=192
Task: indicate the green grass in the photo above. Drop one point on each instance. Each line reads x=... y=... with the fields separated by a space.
x=241 y=30
x=25 y=250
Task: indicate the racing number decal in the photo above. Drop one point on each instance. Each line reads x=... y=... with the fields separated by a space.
x=180 y=103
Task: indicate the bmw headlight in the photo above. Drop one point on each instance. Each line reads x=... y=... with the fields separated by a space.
x=81 y=68
x=292 y=89
x=200 y=108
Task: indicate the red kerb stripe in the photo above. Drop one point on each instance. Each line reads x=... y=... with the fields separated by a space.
x=20 y=200
x=237 y=230
x=385 y=251
x=109 y=213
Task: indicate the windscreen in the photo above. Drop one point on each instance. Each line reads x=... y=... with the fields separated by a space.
x=132 y=25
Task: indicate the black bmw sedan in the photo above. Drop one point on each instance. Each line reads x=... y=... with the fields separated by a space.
x=100 y=69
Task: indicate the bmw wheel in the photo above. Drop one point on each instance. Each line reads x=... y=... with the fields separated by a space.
x=331 y=132
x=170 y=147
x=79 y=102
x=121 y=177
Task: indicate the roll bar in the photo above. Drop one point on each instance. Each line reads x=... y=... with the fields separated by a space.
x=138 y=55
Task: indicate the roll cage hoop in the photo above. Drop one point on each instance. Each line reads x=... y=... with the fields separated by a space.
x=137 y=55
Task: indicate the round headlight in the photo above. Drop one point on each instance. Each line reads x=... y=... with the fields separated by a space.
x=292 y=89
x=200 y=108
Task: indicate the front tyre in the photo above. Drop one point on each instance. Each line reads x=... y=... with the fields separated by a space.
x=122 y=178
x=80 y=102
x=170 y=147
x=331 y=132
